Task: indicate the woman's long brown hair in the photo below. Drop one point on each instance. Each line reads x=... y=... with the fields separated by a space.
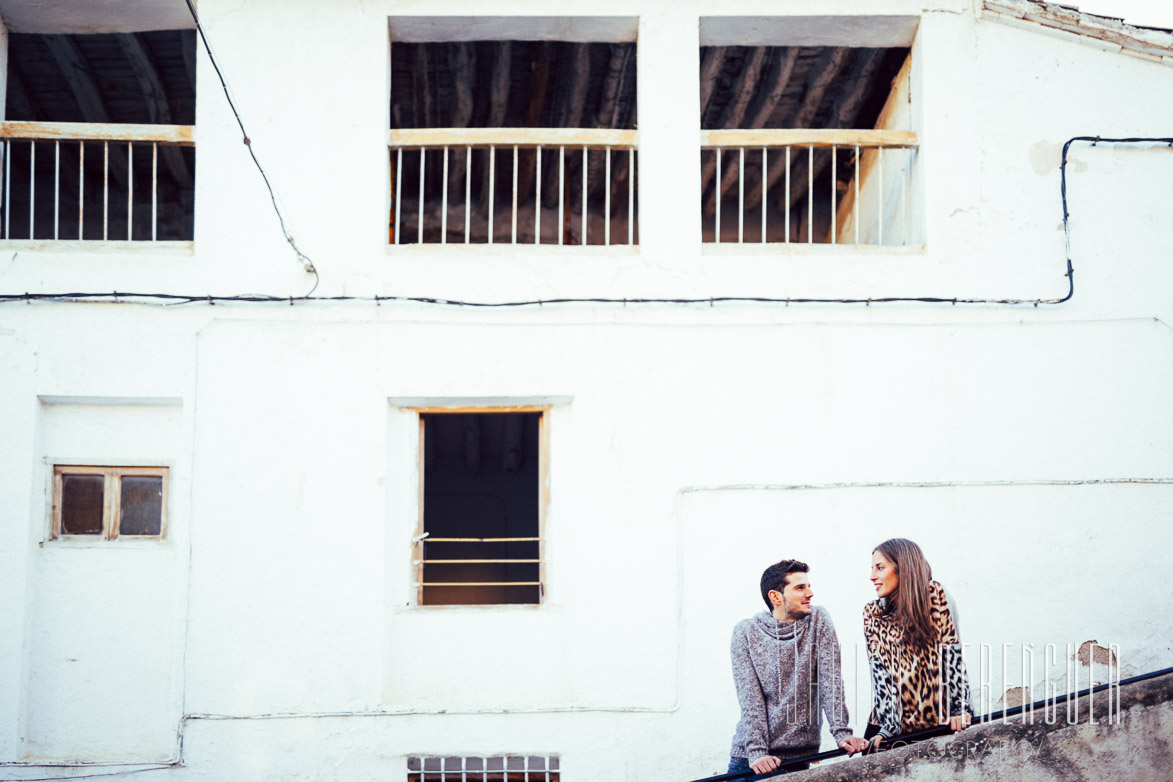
x=910 y=601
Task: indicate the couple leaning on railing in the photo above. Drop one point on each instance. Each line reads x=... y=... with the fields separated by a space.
x=786 y=664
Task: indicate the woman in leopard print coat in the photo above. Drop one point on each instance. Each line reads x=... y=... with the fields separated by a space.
x=918 y=679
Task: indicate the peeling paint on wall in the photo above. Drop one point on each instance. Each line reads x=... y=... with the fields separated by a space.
x=1090 y=652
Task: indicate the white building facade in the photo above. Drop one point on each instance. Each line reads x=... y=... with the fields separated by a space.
x=273 y=624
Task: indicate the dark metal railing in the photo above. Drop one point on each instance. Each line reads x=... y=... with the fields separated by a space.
x=942 y=730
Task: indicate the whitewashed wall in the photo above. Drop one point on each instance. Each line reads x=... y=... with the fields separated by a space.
x=698 y=444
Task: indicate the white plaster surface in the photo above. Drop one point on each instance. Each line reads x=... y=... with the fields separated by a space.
x=1029 y=450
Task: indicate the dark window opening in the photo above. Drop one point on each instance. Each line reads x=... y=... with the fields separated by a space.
x=59 y=186
x=514 y=84
x=81 y=504
x=109 y=502
x=790 y=87
x=481 y=509
x=141 y=511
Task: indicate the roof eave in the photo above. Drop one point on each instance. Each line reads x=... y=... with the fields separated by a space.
x=1104 y=32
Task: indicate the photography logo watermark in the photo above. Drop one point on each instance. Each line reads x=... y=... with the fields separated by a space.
x=964 y=750
x=1013 y=681
x=1084 y=668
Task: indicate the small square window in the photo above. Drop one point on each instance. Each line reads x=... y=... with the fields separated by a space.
x=105 y=503
x=480 y=541
x=501 y=768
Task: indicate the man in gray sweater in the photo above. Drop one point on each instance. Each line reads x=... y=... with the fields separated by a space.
x=787 y=670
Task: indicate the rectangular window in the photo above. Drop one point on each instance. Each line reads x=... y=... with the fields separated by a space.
x=105 y=503
x=513 y=131
x=806 y=133
x=98 y=142
x=480 y=537
x=511 y=768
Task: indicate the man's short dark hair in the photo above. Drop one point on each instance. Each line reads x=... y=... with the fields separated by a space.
x=775 y=577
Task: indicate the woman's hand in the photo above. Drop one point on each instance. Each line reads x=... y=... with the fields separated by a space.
x=853 y=744
x=874 y=744
x=959 y=723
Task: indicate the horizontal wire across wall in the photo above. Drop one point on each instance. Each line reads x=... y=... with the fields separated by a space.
x=179 y=299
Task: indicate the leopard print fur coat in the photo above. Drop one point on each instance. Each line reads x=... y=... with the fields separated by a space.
x=913 y=689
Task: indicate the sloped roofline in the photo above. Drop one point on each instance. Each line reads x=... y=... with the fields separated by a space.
x=1104 y=32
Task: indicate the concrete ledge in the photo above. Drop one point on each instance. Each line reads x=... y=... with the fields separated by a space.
x=1137 y=744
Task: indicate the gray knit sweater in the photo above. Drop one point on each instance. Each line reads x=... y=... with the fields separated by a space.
x=786 y=673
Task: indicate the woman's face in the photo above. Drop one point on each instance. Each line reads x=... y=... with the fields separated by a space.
x=884 y=576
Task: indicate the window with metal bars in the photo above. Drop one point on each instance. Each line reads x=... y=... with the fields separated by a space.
x=807 y=142
x=98 y=142
x=525 y=139
x=482 y=498
x=502 y=768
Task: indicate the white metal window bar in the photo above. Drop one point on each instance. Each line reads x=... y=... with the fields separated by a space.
x=73 y=137
x=597 y=196
x=585 y=198
x=492 y=191
x=7 y=185
x=32 y=183
x=501 y=768
x=479 y=561
x=876 y=199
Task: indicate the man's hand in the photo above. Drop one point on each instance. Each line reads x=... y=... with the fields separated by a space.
x=765 y=764
x=960 y=722
x=852 y=744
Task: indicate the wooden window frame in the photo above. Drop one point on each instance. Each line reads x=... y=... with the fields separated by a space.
x=417 y=547
x=111 y=499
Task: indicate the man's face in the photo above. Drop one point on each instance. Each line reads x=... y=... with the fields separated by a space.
x=796 y=595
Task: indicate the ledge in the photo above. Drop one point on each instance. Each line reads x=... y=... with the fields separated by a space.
x=506 y=249
x=88 y=246
x=1135 y=744
x=779 y=249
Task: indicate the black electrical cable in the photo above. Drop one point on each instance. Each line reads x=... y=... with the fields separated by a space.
x=173 y=299
x=1093 y=140
x=309 y=265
